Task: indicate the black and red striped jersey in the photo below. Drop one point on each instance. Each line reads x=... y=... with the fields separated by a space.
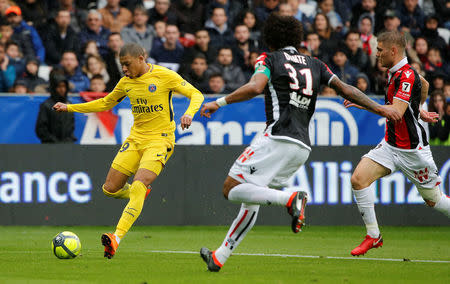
x=291 y=92
x=404 y=84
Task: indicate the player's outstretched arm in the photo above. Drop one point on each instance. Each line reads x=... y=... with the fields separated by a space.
x=359 y=98
x=250 y=90
x=105 y=103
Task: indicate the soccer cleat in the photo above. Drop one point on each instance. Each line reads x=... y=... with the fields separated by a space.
x=209 y=259
x=149 y=189
x=110 y=244
x=296 y=209
x=367 y=243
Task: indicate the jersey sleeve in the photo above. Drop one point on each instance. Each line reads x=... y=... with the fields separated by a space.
x=263 y=65
x=108 y=102
x=181 y=86
x=325 y=73
x=404 y=91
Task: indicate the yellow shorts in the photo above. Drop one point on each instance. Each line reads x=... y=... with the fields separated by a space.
x=151 y=155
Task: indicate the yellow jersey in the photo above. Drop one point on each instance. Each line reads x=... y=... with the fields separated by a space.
x=151 y=101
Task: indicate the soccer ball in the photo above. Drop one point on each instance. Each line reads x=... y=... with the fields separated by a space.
x=66 y=245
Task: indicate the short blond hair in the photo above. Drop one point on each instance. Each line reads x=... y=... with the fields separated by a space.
x=393 y=38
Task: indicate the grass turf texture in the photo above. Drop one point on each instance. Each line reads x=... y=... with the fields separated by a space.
x=26 y=256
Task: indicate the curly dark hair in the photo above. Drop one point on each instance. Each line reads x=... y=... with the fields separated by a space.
x=281 y=31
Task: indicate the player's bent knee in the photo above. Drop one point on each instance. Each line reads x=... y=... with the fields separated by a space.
x=357 y=182
x=431 y=195
x=109 y=189
x=228 y=185
x=226 y=189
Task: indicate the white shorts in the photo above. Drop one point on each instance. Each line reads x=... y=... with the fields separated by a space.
x=269 y=162
x=417 y=164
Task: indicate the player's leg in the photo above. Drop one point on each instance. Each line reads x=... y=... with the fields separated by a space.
x=247 y=184
x=364 y=175
x=137 y=194
x=420 y=168
x=262 y=169
x=241 y=225
x=151 y=164
x=124 y=165
x=133 y=209
x=436 y=199
x=258 y=166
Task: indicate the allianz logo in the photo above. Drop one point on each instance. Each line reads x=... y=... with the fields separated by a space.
x=324 y=131
x=329 y=183
x=331 y=125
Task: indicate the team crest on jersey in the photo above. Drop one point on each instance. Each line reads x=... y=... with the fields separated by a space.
x=152 y=88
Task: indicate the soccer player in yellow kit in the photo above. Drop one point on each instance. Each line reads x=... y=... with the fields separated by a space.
x=151 y=142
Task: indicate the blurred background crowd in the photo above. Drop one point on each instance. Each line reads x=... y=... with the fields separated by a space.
x=213 y=43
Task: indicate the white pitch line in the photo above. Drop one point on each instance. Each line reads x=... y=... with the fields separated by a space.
x=309 y=256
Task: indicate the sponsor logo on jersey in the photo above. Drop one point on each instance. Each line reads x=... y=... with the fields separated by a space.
x=299 y=100
x=152 y=88
x=147 y=109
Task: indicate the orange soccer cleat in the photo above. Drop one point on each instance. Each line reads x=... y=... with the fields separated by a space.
x=149 y=189
x=296 y=208
x=210 y=260
x=110 y=244
x=367 y=243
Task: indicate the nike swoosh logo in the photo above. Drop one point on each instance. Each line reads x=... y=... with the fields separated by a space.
x=127 y=90
x=159 y=155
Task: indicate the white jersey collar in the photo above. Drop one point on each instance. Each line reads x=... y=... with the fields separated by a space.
x=399 y=65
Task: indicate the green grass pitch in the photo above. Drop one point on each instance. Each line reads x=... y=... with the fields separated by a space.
x=26 y=256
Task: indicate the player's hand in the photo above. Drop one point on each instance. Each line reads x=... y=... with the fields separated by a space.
x=391 y=114
x=60 y=107
x=186 y=121
x=349 y=104
x=211 y=107
x=429 y=116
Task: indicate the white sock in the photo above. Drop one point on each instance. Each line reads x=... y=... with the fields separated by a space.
x=365 y=199
x=117 y=238
x=240 y=227
x=254 y=194
x=443 y=205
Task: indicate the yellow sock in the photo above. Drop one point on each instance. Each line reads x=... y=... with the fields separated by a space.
x=123 y=193
x=133 y=208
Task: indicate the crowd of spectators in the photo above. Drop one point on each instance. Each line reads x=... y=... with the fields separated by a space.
x=212 y=43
